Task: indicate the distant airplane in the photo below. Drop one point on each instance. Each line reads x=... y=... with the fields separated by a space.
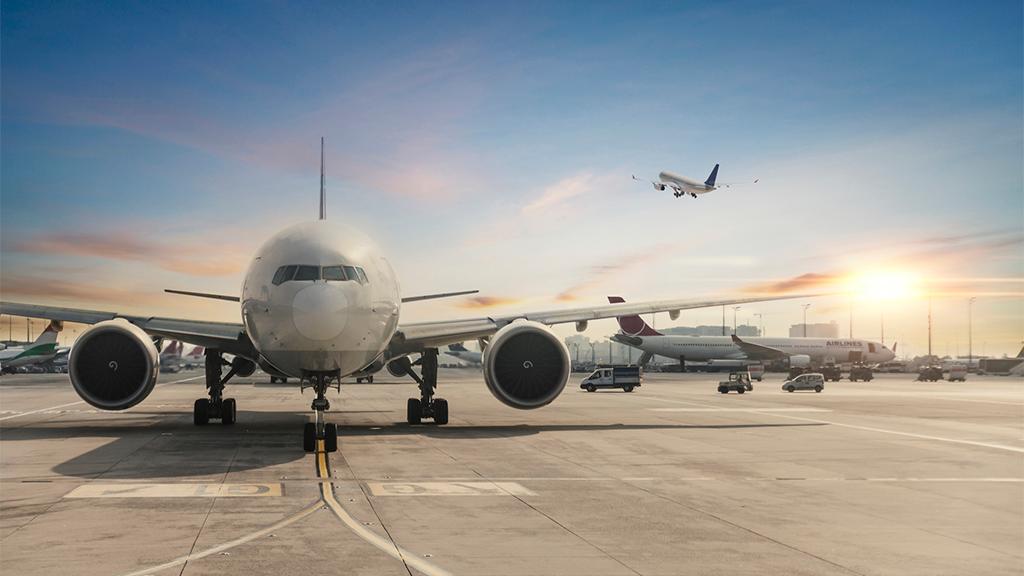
x=42 y=350
x=459 y=351
x=195 y=358
x=797 y=351
x=681 y=185
x=170 y=358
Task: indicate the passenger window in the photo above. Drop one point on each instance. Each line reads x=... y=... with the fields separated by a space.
x=350 y=272
x=334 y=273
x=284 y=274
x=307 y=273
x=362 y=276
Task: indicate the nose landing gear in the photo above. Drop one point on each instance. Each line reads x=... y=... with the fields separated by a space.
x=320 y=429
x=426 y=406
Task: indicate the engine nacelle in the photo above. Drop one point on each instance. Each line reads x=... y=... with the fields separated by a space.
x=243 y=366
x=799 y=361
x=525 y=365
x=114 y=365
x=399 y=367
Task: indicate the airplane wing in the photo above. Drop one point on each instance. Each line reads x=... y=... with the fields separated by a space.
x=417 y=336
x=227 y=336
x=757 y=351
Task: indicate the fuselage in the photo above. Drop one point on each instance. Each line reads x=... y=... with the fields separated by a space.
x=689 y=185
x=320 y=297
x=820 y=350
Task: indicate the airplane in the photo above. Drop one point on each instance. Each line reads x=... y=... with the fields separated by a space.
x=194 y=358
x=170 y=358
x=681 y=185
x=42 y=350
x=459 y=351
x=320 y=302
x=633 y=331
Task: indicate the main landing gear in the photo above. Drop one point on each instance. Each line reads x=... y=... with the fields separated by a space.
x=320 y=382
x=426 y=406
x=216 y=406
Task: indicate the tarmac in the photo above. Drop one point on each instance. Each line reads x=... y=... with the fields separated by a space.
x=889 y=477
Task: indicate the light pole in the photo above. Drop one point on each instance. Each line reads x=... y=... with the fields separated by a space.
x=929 y=326
x=734 y=309
x=723 y=319
x=760 y=324
x=806 y=306
x=970 y=332
x=851 y=318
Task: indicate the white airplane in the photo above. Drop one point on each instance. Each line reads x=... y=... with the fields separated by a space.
x=42 y=350
x=681 y=185
x=459 y=351
x=320 y=302
x=798 y=351
x=194 y=358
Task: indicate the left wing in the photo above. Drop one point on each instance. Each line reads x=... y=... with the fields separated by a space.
x=227 y=336
x=417 y=336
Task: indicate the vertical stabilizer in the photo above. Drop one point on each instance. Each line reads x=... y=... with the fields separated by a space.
x=633 y=325
x=714 y=175
x=323 y=197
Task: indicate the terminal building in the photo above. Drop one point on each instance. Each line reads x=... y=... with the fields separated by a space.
x=821 y=330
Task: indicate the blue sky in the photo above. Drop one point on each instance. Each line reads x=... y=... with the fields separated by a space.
x=491 y=145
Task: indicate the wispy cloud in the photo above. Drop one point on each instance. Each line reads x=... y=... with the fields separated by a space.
x=600 y=274
x=560 y=192
x=478 y=302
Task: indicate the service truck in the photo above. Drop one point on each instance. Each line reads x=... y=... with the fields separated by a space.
x=624 y=377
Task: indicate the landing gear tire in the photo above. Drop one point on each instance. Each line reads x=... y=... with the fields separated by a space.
x=330 y=437
x=201 y=412
x=440 y=411
x=227 y=411
x=309 y=437
x=413 y=411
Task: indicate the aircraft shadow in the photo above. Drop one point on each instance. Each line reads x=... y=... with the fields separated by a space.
x=456 y=432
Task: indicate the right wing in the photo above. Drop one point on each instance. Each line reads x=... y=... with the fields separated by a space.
x=758 y=351
x=227 y=336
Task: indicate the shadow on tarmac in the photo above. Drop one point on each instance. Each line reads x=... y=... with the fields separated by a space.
x=455 y=432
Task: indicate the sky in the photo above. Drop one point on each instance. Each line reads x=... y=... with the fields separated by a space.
x=491 y=146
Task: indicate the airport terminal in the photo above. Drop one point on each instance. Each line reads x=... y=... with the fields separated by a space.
x=505 y=289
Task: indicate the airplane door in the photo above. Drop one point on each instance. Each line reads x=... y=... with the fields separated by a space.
x=856 y=356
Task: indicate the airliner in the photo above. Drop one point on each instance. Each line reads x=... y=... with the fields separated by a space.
x=320 y=302
x=633 y=331
x=42 y=350
x=681 y=185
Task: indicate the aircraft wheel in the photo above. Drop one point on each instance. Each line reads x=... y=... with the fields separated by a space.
x=201 y=412
x=309 y=437
x=413 y=411
x=330 y=437
x=440 y=411
x=227 y=411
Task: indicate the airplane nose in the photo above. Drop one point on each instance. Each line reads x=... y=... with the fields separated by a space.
x=320 y=311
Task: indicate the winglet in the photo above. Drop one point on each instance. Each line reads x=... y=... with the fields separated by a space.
x=711 y=179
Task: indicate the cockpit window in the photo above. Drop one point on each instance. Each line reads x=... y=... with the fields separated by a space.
x=284 y=274
x=350 y=272
x=362 y=276
x=307 y=273
x=335 y=273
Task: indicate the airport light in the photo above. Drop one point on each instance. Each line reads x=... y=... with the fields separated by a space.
x=734 y=309
x=929 y=327
x=723 y=319
x=970 y=331
x=806 y=306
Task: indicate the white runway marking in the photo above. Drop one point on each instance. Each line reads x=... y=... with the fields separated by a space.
x=20 y=414
x=738 y=410
x=447 y=489
x=174 y=491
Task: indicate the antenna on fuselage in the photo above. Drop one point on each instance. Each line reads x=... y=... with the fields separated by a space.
x=323 y=197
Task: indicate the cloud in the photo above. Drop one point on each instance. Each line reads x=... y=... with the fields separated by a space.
x=192 y=259
x=809 y=282
x=600 y=274
x=560 y=192
x=478 y=302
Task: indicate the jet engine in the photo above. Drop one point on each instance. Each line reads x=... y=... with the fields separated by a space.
x=525 y=365
x=114 y=365
x=799 y=361
x=243 y=366
x=398 y=367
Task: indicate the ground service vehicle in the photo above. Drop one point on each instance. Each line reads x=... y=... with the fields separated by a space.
x=738 y=381
x=831 y=372
x=929 y=374
x=811 y=381
x=861 y=372
x=756 y=372
x=625 y=377
x=958 y=373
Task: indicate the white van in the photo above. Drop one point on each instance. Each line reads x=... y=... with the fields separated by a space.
x=813 y=381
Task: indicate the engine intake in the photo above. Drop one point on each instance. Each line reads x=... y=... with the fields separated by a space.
x=525 y=365
x=114 y=365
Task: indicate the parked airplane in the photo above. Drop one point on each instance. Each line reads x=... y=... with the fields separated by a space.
x=42 y=350
x=798 y=351
x=170 y=358
x=681 y=185
x=195 y=358
x=320 y=302
x=459 y=351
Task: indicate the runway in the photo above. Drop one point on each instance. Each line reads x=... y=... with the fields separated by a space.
x=887 y=477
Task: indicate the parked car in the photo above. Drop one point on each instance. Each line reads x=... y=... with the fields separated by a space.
x=812 y=381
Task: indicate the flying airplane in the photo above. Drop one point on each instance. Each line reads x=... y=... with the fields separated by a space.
x=681 y=185
x=798 y=351
x=42 y=350
x=459 y=351
x=320 y=302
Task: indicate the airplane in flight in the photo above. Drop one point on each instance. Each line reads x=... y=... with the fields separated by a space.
x=681 y=185
x=633 y=331
x=459 y=351
x=319 y=302
x=42 y=350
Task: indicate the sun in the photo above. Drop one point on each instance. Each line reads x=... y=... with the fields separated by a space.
x=886 y=285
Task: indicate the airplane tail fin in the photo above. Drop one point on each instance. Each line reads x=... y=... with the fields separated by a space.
x=458 y=347
x=197 y=352
x=49 y=334
x=633 y=325
x=1021 y=353
x=714 y=175
x=894 y=345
